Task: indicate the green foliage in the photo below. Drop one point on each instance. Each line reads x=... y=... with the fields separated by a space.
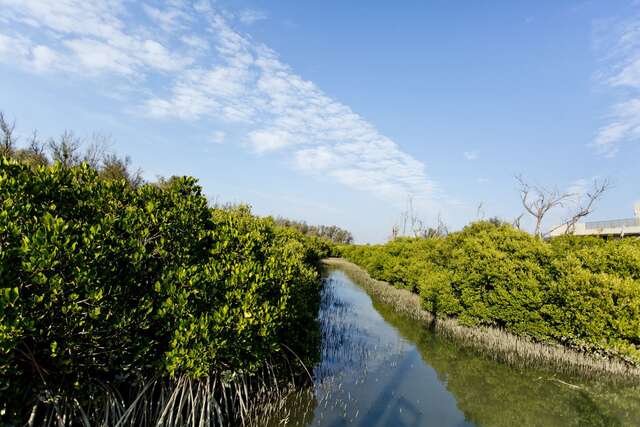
x=70 y=151
x=582 y=292
x=525 y=396
x=106 y=282
x=319 y=247
x=116 y=168
x=332 y=233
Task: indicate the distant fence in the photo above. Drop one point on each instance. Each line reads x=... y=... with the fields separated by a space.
x=616 y=223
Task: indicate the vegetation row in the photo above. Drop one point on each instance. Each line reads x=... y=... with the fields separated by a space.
x=107 y=284
x=581 y=292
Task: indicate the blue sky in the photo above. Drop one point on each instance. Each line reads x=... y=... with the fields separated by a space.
x=337 y=112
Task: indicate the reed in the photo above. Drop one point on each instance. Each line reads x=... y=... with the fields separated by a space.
x=491 y=342
x=220 y=400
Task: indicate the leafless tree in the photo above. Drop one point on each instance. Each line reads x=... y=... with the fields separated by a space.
x=35 y=145
x=411 y=223
x=97 y=150
x=407 y=217
x=441 y=229
x=417 y=225
x=585 y=205
x=480 y=213
x=517 y=220
x=395 y=232
x=66 y=149
x=119 y=168
x=7 y=140
x=35 y=153
x=538 y=201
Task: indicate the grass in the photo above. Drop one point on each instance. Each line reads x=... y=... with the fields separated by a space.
x=495 y=343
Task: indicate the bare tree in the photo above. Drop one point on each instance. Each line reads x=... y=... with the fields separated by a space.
x=517 y=220
x=409 y=219
x=417 y=226
x=35 y=145
x=538 y=201
x=35 y=154
x=66 y=149
x=441 y=229
x=407 y=216
x=119 y=168
x=7 y=140
x=395 y=232
x=96 y=152
x=584 y=205
x=480 y=213
x=412 y=225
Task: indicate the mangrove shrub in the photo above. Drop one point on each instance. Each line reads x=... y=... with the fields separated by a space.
x=581 y=292
x=104 y=282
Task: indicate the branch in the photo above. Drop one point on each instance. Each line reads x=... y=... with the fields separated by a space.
x=583 y=210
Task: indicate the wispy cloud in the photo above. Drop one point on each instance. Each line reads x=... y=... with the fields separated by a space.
x=217 y=137
x=623 y=65
x=470 y=155
x=624 y=126
x=578 y=187
x=212 y=72
x=251 y=16
x=85 y=37
x=170 y=18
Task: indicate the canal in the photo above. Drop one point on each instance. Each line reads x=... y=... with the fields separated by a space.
x=379 y=368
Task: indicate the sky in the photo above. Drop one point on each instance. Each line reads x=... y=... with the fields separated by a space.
x=341 y=112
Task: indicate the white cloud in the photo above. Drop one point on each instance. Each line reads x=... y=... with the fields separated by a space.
x=316 y=159
x=290 y=114
x=624 y=62
x=624 y=125
x=628 y=76
x=239 y=81
x=470 y=155
x=15 y=48
x=22 y=51
x=170 y=19
x=43 y=57
x=251 y=16
x=195 y=42
x=86 y=36
x=270 y=140
x=98 y=56
x=98 y=19
x=217 y=137
x=578 y=187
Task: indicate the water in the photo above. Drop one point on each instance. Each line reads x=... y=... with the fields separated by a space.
x=379 y=368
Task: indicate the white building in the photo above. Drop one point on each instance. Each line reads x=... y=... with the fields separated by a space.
x=613 y=228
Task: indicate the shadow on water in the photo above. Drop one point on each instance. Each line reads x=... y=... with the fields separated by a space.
x=380 y=368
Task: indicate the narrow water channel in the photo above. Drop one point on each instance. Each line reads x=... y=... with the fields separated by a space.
x=379 y=368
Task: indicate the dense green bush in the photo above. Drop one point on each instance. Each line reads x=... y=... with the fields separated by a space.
x=583 y=292
x=105 y=282
x=331 y=233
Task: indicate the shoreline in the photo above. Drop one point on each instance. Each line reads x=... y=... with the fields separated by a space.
x=491 y=342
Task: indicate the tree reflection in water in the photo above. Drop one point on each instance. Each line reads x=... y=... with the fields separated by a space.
x=379 y=368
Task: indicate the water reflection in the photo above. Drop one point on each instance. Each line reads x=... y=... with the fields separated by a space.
x=369 y=375
x=493 y=394
x=379 y=368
